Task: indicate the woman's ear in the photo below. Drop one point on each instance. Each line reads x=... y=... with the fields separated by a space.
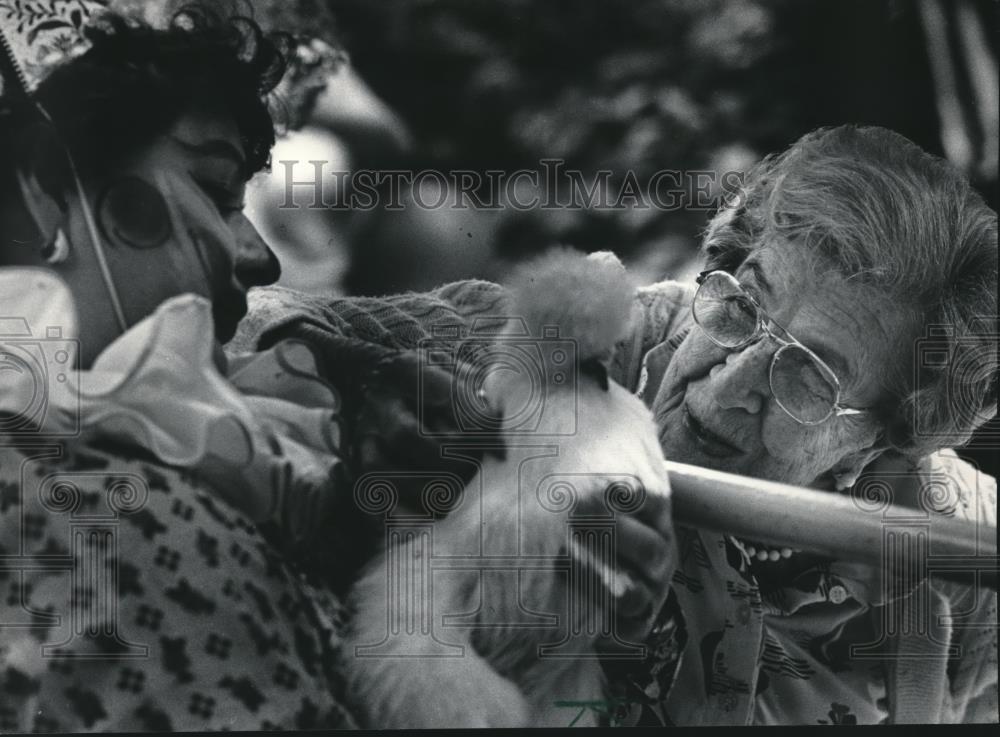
x=847 y=470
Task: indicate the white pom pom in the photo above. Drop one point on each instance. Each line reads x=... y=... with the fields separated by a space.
x=587 y=299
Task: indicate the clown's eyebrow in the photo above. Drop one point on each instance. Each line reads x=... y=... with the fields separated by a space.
x=215 y=147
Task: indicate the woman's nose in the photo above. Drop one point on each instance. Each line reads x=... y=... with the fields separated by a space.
x=741 y=381
x=256 y=264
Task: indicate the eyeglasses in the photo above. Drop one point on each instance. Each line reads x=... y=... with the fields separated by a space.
x=801 y=383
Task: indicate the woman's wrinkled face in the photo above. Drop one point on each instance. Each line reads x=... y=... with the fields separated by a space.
x=715 y=408
x=171 y=222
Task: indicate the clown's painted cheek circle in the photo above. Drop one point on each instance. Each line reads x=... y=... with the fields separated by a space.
x=133 y=213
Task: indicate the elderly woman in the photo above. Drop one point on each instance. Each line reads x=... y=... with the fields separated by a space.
x=793 y=359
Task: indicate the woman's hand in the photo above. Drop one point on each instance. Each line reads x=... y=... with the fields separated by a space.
x=647 y=553
x=645 y=558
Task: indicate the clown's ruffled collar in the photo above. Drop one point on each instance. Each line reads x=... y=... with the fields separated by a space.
x=266 y=436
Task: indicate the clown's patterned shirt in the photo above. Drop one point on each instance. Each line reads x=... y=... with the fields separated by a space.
x=175 y=614
x=137 y=593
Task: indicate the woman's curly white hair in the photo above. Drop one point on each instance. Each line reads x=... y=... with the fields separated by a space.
x=887 y=213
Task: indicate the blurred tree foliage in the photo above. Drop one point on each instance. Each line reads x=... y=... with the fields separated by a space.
x=630 y=86
x=639 y=85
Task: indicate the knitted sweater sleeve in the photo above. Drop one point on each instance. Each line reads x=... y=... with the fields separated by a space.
x=402 y=321
x=399 y=321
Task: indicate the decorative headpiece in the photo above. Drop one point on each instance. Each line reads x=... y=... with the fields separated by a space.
x=38 y=35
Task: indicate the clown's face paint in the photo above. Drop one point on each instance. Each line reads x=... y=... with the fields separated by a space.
x=171 y=222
